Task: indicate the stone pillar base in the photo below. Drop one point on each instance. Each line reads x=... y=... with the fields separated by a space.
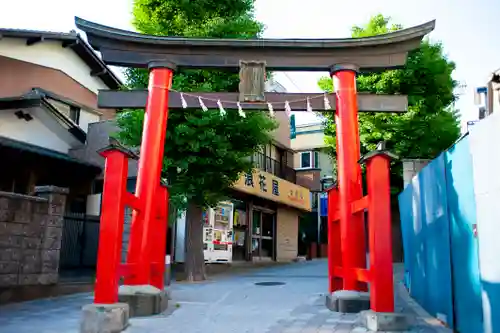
x=104 y=318
x=143 y=300
x=347 y=301
x=386 y=321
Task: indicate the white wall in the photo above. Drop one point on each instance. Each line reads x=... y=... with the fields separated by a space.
x=43 y=130
x=484 y=138
x=51 y=54
x=87 y=118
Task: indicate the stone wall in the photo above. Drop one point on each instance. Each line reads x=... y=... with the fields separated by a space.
x=411 y=167
x=30 y=236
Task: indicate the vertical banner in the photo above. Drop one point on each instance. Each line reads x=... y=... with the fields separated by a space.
x=293 y=129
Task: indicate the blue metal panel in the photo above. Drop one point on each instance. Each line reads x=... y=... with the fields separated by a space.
x=464 y=246
x=426 y=239
x=435 y=220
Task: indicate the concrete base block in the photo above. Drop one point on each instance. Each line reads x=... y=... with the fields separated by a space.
x=347 y=301
x=143 y=300
x=104 y=318
x=386 y=321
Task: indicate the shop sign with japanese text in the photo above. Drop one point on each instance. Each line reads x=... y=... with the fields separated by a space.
x=268 y=186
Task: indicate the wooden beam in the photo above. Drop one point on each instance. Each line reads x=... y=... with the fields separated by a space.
x=136 y=99
x=132 y=49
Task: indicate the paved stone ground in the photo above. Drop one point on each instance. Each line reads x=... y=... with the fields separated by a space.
x=225 y=305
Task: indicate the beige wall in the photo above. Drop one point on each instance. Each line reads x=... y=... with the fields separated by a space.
x=273 y=151
x=296 y=160
x=308 y=141
x=287 y=228
x=325 y=164
x=282 y=133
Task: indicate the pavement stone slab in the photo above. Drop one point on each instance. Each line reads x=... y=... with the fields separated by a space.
x=227 y=304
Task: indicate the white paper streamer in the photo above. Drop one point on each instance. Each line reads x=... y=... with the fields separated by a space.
x=202 y=105
x=221 y=108
x=183 y=101
x=309 y=107
x=288 y=109
x=240 y=110
x=271 y=111
x=327 y=103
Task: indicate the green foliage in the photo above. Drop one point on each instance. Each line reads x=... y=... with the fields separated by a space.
x=204 y=152
x=430 y=126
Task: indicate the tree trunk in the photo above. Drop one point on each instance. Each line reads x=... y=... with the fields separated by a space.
x=194 y=262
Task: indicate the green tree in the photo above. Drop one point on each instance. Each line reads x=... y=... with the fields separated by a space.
x=431 y=124
x=205 y=152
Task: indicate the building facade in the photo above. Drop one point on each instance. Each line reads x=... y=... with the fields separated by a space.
x=48 y=97
x=311 y=160
x=315 y=170
x=487 y=98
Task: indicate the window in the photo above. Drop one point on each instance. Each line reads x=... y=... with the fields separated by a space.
x=305 y=159
x=74 y=114
x=309 y=159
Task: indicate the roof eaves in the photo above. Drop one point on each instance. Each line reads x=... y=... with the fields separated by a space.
x=74 y=41
x=25 y=101
x=48 y=94
x=98 y=67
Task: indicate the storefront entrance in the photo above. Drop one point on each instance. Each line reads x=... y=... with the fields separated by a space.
x=240 y=230
x=263 y=235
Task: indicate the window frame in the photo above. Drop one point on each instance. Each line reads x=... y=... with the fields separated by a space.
x=74 y=114
x=313 y=159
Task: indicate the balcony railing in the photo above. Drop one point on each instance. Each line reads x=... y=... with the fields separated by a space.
x=274 y=167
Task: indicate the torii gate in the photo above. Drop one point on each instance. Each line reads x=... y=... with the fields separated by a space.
x=343 y=58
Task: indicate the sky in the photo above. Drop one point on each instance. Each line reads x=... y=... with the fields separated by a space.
x=464 y=27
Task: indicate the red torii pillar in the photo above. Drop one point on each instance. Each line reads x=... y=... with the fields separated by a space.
x=380 y=273
x=149 y=171
x=352 y=229
x=147 y=244
x=346 y=207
